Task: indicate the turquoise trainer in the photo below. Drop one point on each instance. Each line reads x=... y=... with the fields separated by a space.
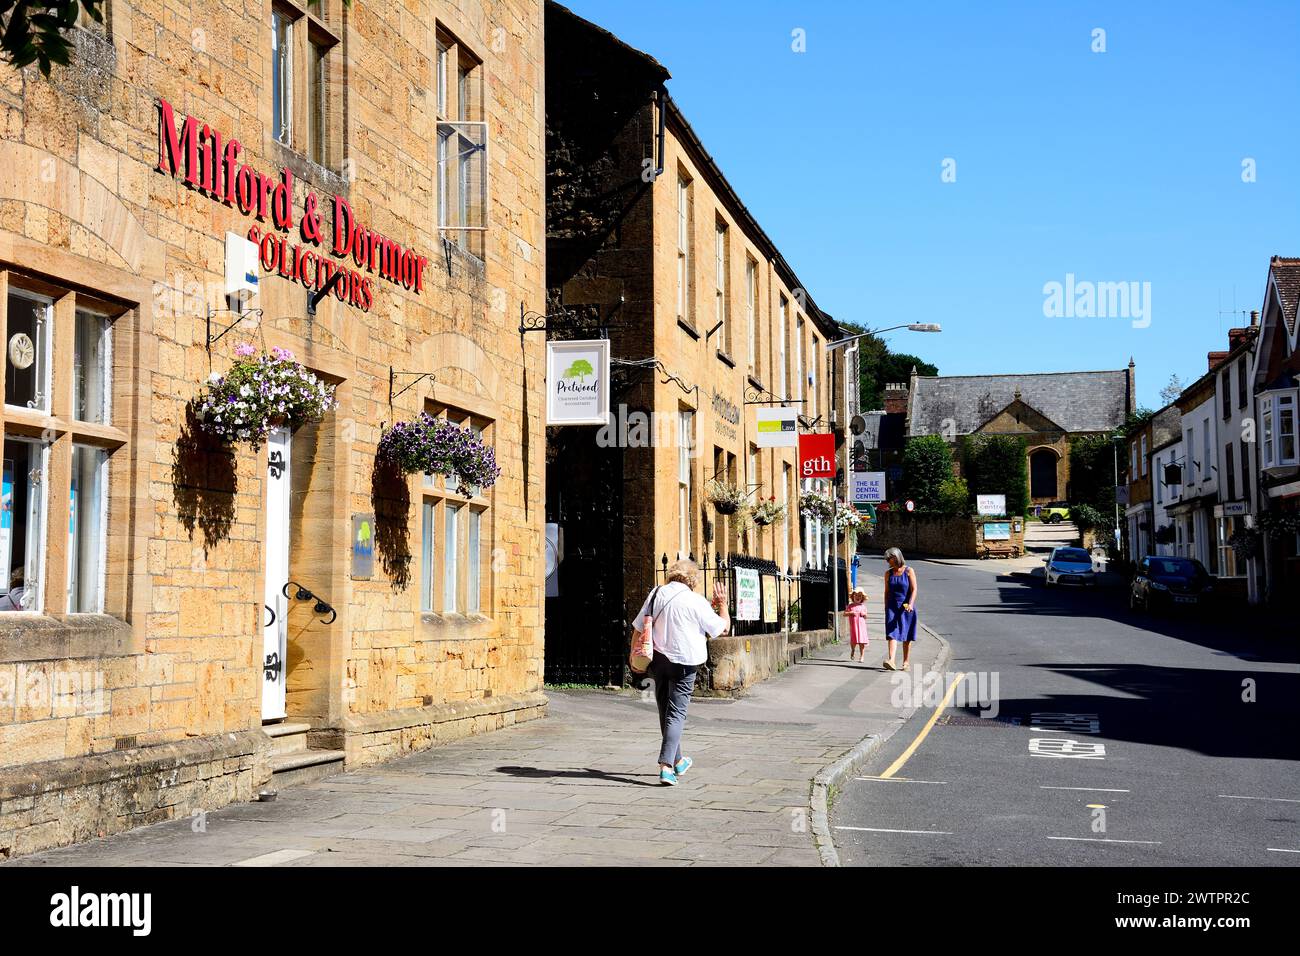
x=667 y=777
x=683 y=765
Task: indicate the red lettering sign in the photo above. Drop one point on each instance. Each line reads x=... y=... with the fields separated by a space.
x=196 y=153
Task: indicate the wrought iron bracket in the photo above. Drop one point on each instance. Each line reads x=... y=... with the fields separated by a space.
x=392 y=380
x=213 y=339
x=754 y=396
x=564 y=320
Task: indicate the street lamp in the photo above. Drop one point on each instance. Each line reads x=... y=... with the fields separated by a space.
x=852 y=342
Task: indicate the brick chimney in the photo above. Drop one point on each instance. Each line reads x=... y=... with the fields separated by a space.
x=896 y=398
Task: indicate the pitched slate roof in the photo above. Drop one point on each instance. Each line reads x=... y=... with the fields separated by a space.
x=1286 y=273
x=1077 y=401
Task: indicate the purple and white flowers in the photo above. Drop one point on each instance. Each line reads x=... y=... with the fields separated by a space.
x=261 y=392
x=435 y=445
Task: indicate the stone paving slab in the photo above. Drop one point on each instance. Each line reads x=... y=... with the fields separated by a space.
x=577 y=788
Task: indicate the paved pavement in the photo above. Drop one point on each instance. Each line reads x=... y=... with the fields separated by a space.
x=577 y=787
x=1119 y=739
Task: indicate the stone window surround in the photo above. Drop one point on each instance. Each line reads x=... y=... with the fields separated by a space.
x=52 y=633
x=315 y=25
x=462 y=409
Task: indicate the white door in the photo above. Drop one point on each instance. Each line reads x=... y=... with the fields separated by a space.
x=276 y=606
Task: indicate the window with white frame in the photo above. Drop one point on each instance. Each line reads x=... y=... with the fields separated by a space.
x=751 y=311
x=454 y=534
x=282 y=76
x=1278 y=429
x=88 y=501
x=76 y=441
x=1142 y=456
x=684 y=243
x=685 y=498
x=303 y=45
x=798 y=369
x=721 y=265
x=462 y=145
x=781 y=333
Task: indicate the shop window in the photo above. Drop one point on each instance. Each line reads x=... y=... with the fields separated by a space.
x=455 y=530
x=86 y=530
x=58 y=442
x=22 y=518
x=91 y=360
x=27 y=351
x=462 y=145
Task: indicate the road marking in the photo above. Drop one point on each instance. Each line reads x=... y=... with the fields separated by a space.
x=1232 y=796
x=1069 y=749
x=275 y=858
x=1105 y=840
x=1088 y=789
x=1054 y=721
x=911 y=748
x=901 y=780
x=882 y=830
x=1278 y=849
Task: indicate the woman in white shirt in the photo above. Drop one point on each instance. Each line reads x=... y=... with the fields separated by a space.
x=683 y=622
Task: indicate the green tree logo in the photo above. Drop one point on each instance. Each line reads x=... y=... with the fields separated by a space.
x=580 y=368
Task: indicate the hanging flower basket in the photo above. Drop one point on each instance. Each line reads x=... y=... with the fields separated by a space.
x=726 y=499
x=1246 y=544
x=261 y=392
x=1278 y=524
x=847 y=518
x=436 y=446
x=816 y=506
x=768 y=513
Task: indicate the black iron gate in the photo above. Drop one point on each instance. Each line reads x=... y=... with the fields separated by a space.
x=586 y=624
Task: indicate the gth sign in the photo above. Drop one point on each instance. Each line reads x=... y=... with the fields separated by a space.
x=817 y=455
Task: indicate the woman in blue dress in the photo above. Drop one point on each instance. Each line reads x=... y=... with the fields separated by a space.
x=900 y=607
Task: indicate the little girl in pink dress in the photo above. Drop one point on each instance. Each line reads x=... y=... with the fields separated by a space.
x=857 y=615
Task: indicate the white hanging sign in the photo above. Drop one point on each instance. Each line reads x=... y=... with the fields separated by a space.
x=577 y=382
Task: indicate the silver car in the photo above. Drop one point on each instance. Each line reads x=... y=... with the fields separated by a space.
x=1069 y=566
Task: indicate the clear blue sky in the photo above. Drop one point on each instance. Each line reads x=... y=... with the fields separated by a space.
x=1117 y=166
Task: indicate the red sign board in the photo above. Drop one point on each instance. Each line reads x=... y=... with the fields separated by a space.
x=817 y=455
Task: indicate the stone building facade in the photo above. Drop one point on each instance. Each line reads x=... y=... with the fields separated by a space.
x=648 y=241
x=134 y=681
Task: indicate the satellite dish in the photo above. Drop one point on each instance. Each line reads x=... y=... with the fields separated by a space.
x=857 y=424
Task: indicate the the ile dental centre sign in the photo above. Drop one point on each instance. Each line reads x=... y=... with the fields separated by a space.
x=195 y=151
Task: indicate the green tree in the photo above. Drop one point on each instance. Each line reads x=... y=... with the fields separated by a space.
x=1092 y=472
x=36 y=31
x=954 y=498
x=927 y=465
x=995 y=465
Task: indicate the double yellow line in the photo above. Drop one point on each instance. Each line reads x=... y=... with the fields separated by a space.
x=911 y=748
